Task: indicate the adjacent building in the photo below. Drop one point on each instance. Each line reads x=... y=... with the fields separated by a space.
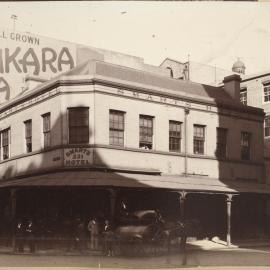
x=255 y=91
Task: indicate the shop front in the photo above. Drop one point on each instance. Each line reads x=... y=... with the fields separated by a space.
x=63 y=205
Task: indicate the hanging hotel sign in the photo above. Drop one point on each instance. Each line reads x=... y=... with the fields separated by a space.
x=23 y=54
x=78 y=157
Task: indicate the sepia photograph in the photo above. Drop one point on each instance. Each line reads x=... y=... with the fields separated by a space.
x=135 y=134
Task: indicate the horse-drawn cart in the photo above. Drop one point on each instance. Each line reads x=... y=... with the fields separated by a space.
x=145 y=232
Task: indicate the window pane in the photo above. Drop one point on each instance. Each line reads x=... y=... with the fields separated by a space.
x=221 y=148
x=47 y=130
x=116 y=132
x=266 y=90
x=46 y=122
x=5 y=137
x=78 y=117
x=198 y=139
x=243 y=96
x=47 y=139
x=5 y=143
x=245 y=145
x=28 y=129
x=78 y=125
x=28 y=135
x=174 y=136
x=267 y=126
x=146 y=131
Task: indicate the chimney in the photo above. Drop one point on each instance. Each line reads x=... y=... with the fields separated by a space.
x=232 y=86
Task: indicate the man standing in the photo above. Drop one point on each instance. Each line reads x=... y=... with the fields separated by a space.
x=93 y=228
x=30 y=237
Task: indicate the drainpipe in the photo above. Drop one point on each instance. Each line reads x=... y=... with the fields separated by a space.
x=186 y=139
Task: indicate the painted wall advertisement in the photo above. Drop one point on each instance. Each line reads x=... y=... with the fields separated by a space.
x=78 y=157
x=23 y=54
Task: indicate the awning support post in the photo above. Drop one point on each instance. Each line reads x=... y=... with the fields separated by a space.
x=182 y=198
x=13 y=202
x=229 y=206
x=113 y=195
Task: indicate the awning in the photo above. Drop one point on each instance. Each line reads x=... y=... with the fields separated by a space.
x=128 y=180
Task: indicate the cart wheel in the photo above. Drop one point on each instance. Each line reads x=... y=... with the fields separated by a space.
x=162 y=243
x=137 y=246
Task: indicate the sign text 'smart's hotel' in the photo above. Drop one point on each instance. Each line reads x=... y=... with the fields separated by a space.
x=82 y=128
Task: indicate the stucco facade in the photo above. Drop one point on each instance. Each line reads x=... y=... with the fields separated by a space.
x=45 y=175
x=102 y=92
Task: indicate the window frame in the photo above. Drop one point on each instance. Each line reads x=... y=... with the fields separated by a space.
x=221 y=146
x=267 y=126
x=266 y=97
x=76 y=127
x=146 y=131
x=28 y=135
x=243 y=98
x=46 y=129
x=174 y=138
x=6 y=146
x=116 y=126
x=199 y=140
x=245 y=150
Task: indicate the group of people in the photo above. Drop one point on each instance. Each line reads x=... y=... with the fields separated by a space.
x=94 y=233
x=100 y=234
x=79 y=234
x=24 y=235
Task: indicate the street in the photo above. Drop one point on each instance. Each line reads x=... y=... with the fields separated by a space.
x=195 y=258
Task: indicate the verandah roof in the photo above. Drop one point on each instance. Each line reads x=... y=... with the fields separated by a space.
x=128 y=180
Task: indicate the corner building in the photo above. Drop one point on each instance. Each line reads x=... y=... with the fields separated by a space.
x=79 y=144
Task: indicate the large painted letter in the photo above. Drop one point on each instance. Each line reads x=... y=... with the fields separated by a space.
x=4 y=87
x=12 y=59
x=30 y=62
x=69 y=60
x=48 y=57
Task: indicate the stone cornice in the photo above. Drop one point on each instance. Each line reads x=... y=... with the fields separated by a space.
x=52 y=87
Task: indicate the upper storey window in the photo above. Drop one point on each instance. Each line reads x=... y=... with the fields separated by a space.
x=174 y=136
x=198 y=139
x=267 y=126
x=146 y=132
x=243 y=96
x=78 y=125
x=47 y=129
x=221 y=148
x=28 y=135
x=245 y=145
x=5 y=137
x=117 y=127
x=266 y=91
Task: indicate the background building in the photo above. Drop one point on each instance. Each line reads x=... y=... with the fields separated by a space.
x=196 y=72
x=255 y=91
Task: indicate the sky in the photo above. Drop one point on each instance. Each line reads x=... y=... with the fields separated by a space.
x=213 y=33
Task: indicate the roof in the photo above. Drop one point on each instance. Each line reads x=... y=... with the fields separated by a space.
x=255 y=76
x=111 y=73
x=141 y=181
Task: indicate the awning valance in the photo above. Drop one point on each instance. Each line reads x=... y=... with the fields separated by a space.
x=129 y=180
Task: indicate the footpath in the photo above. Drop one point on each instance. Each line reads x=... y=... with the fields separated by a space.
x=204 y=253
